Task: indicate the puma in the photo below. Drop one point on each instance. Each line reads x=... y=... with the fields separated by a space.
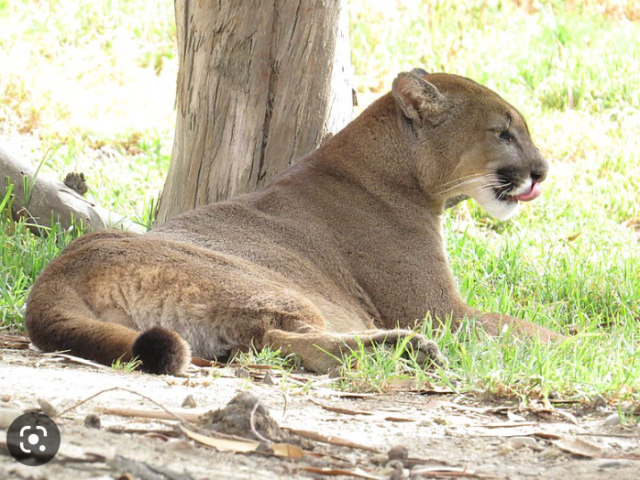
x=345 y=244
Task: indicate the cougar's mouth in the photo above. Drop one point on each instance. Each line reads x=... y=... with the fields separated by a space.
x=502 y=194
x=527 y=192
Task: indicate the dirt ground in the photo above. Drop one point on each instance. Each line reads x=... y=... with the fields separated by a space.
x=445 y=435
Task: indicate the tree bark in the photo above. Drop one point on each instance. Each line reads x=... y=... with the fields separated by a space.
x=260 y=84
x=47 y=201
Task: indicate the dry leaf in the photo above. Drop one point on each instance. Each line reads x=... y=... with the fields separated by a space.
x=580 y=447
x=337 y=471
x=567 y=415
x=573 y=237
x=201 y=362
x=286 y=450
x=555 y=411
x=515 y=418
x=221 y=443
x=240 y=446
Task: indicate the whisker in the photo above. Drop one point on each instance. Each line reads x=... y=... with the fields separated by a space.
x=465 y=181
x=462 y=179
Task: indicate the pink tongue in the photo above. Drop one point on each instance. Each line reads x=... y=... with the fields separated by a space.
x=534 y=193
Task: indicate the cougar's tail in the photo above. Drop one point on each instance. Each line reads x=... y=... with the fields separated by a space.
x=58 y=318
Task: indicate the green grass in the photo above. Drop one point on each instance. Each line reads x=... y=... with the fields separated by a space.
x=570 y=260
x=266 y=356
x=22 y=257
x=126 y=367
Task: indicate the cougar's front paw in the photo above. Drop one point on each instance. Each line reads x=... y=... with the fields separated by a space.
x=426 y=351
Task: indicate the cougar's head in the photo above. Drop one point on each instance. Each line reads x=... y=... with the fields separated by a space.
x=466 y=140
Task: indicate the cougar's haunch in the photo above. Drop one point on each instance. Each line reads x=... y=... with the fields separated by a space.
x=342 y=247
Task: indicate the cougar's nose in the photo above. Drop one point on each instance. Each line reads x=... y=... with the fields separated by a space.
x=539 y=169
x=538 y=175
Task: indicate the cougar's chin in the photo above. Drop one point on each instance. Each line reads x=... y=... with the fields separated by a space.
x=500 y=208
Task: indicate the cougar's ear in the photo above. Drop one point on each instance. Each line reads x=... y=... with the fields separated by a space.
x=418 y=99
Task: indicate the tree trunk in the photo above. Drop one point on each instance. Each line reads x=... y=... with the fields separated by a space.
x=260 y=84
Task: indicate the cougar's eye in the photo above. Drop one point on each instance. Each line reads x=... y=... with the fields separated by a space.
x=504 y=135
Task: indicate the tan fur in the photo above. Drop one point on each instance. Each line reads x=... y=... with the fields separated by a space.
x=346 y=240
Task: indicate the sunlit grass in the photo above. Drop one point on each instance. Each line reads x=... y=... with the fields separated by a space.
x=92 y=84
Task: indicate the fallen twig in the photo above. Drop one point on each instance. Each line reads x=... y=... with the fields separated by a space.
x=74 y=359
x=252 y=424
x=143 y=431
x=454 y=472
x=154 y=414
x=149 y=399
x=345 y=411
x=339 y=472
x=14 y=342
x=332 y=440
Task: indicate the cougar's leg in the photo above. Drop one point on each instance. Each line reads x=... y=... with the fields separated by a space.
x=321 y=351
x=287 y=320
